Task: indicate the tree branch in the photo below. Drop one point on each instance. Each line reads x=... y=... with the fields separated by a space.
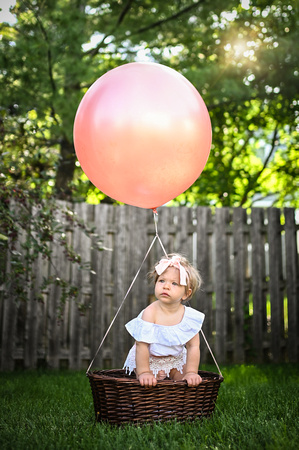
x=49 y=53
x=170 y=18
x=124 y=12
x=253 y=182
x=275 y=134
x=93 y=52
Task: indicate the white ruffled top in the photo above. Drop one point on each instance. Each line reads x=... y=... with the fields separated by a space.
x=166 y=340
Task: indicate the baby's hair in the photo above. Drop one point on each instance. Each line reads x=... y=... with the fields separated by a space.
x=194 y=280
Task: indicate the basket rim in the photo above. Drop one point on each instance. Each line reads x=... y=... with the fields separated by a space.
x=104 y=374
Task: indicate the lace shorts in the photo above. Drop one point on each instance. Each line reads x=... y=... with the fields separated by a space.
x=157 y=364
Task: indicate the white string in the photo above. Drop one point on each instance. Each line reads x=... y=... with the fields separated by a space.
x=128 y=291
x=157 y=235
x=120 y=306
x=210 y=350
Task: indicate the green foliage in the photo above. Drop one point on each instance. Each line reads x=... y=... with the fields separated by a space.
x=243 y=61
x=30 y=222
x=257 y=409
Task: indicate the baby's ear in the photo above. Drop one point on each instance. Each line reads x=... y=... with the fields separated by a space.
x=188 y=292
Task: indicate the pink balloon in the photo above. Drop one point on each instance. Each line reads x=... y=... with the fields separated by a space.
x=142 y=134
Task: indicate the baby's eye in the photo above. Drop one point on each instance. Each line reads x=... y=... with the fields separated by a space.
x=174 y=283
x=161 y=281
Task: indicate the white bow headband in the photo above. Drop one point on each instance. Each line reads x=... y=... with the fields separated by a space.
x=175 y=261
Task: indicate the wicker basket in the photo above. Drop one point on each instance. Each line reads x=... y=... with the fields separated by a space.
x=119 y=398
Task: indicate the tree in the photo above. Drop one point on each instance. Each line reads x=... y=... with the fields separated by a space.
x=243 y=61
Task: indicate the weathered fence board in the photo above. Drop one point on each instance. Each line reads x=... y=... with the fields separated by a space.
x=9 y=322
x=259 y=319
x=239 y=291
x=222 y=264
x=204 y=263
x=249 y=265
x=275 y=283
x=292 y=289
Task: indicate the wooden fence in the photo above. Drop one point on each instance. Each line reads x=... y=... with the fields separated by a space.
x=249 y=263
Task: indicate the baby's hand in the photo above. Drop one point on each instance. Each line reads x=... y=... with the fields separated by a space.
x=193 y=379
x=147 y=379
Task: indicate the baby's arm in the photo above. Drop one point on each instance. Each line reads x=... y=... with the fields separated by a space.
x=144 y=374
x=192 y=363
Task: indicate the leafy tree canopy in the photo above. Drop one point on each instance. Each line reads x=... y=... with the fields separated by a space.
x=241 y=56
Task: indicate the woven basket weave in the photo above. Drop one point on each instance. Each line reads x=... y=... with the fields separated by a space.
x=118 y=398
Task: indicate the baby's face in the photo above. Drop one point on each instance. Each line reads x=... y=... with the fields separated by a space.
x=168 y=287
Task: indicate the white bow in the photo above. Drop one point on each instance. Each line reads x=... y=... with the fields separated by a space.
x=175 y=261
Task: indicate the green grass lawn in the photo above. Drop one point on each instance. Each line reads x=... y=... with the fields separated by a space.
x=257 y=408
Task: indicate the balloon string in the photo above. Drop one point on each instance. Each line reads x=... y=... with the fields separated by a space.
x=210 y=350
x=157 y=234
x=205 y=339
x=128 y=291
